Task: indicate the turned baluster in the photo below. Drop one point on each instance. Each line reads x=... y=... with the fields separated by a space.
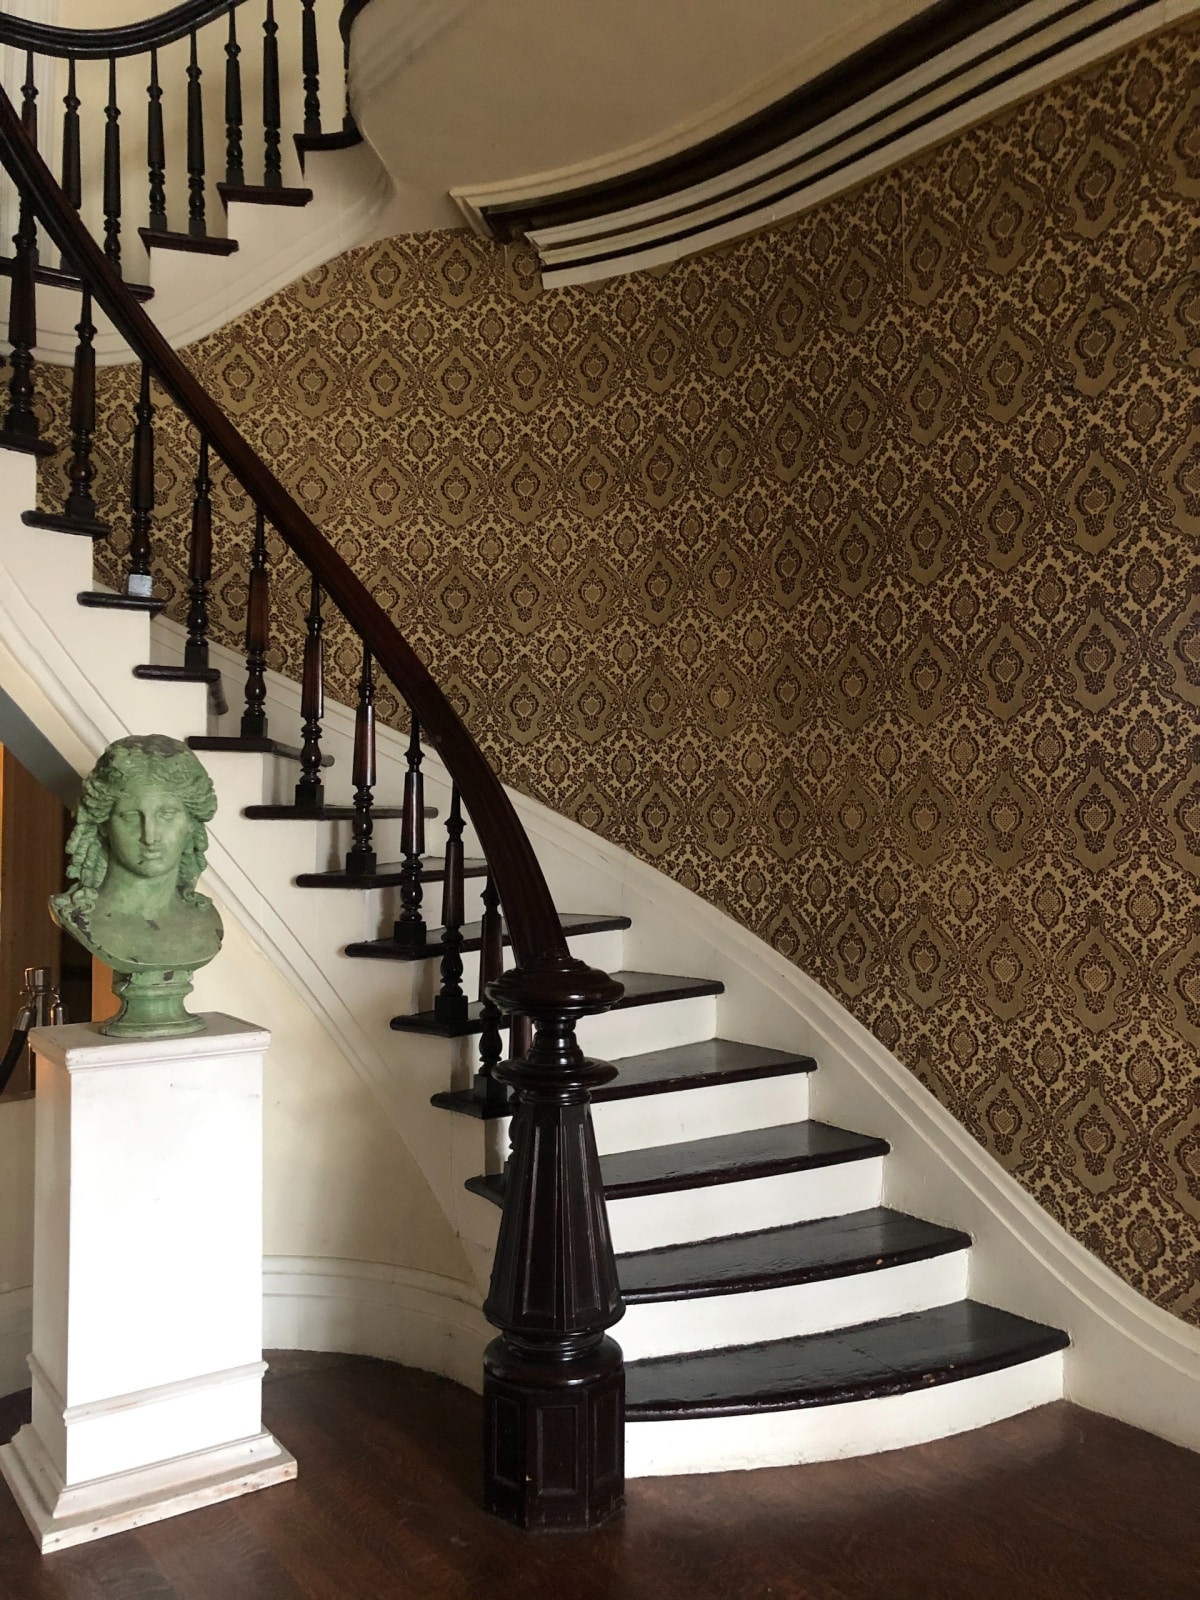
x=197 y=228
x=488 y=1087
x=195 y=651
x=29 y=97
x=112 y=169
x=79 y=510
x=520 y=1038
x=156 y=149
x=272 y=160
x=409 y=930
x=310 y=791
x=451 y=1003
x=311 y=68
x=138 y=580
x=72 y=182
x=360 y=858
x=21 y=429
x=235 y=171
x=348 y=123
x=258 y=635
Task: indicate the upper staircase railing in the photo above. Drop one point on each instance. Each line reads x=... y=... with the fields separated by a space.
x=210 y=29
x=552 y=1373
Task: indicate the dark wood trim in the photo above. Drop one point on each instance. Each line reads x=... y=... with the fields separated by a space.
x=131 y=39
x=323 y=813
x=59 y=278
x=386 y=875
x=103 y=600
x=574 y=924
x=61 y=523
x=638 y=989
x=310 y=143
x=156 y=674
x=258 y=194
x=932 y=31
x=195 y=244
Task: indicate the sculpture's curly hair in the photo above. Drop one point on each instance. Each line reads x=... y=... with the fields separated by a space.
x=143 y=758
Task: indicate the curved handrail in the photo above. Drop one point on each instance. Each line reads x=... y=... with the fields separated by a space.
x=529 y=910
x=130 y=39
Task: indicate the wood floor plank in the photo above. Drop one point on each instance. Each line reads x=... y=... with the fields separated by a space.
x=1060 y=1504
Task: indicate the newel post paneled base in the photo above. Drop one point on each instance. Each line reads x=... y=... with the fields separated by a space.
x=147 y=1300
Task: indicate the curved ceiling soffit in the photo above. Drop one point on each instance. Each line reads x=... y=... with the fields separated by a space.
x=946 y=68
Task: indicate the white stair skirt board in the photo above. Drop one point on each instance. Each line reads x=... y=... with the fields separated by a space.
x=59 y=1517
x=830 y=1433
x=148 y=1198
x=699 y=1113
x=713 y=1322
x=643 y=1222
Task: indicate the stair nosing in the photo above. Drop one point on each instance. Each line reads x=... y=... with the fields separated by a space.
x=1041 y=1341
x=432 y=949
x=951 y=1241
x=698 y=989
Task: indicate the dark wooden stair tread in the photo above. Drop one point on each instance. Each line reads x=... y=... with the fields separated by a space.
x=260 y=194
x=869 y=1361
x=800 y=1252
x=153 y=673
x=733 y=1157
x=60 y=278
x=693 y=1066
x=573 y=922
x=323 y=813
x=727 y=1158
x=259 y=747
x=388 y=875
x=57 y=522
x=202 y=245
x=641 y=989
x=105 y=600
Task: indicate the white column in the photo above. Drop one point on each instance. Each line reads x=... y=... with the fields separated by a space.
x=147 y=1294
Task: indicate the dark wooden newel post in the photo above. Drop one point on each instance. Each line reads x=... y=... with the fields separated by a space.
x=554 y=1383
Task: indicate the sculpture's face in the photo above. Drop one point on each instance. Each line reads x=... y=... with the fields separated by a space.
x=148 y=831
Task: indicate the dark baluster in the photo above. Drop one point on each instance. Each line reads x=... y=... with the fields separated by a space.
x=195 y=652
x=112 y=170
x=520 y=1038
x=360 y=858
x=195 y=146
x=488 y=1087
x=29 y=97
x=156 y=149
x=20 y=430
x=451 y=1002
x=138 y=580
x=258 y=636
x=272 y=160
x=311 y=67
x=348 y=123
x=71 y=166
x=409 y=930
x=310 y=791
x=79 y=509
x=235 y=170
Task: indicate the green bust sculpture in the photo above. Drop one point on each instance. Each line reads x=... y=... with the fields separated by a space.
x=136 y=851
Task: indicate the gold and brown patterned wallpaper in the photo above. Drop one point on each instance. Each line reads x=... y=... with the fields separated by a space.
x=848 y=575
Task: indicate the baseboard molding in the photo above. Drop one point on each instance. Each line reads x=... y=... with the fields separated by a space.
x=369 y=1308
x=16 y=1339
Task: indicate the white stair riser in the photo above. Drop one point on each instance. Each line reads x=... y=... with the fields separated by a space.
x=643 y=1222
x=656 y=1026
x=699 y=1113
x=601 y=950
x=670 y=1327
x=831 y=1433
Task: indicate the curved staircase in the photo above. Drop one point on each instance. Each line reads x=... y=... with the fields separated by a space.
x=776 y=1307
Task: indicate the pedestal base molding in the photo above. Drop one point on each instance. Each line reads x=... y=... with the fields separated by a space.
x=59 y=1516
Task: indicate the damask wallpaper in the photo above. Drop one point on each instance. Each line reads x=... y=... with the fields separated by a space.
x=848 y=575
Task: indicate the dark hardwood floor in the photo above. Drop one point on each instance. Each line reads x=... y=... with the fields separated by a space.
x=1057 y=1505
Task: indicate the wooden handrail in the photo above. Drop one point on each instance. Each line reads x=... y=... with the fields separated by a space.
x=130 y=39
x=533 y=923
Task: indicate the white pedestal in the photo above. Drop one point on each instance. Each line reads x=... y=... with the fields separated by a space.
x=147 y=1297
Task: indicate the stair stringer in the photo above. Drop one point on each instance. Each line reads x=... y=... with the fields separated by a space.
x=1128 y=1357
